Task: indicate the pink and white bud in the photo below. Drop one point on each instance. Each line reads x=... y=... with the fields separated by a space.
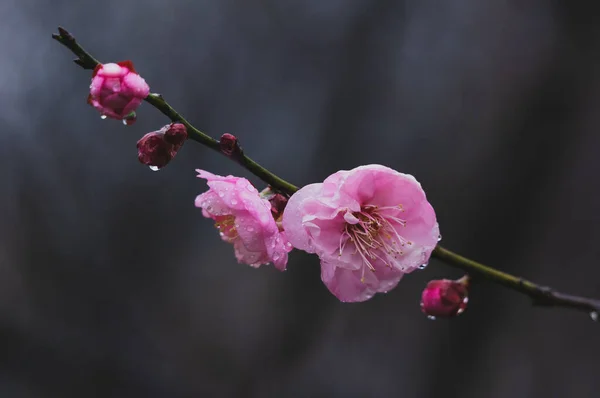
x=445 y=298
x=157 y=148
x=117 y=90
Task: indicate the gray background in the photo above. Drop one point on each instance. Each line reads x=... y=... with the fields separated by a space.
x=113 y=285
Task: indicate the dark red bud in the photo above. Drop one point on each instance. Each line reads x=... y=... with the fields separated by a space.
x=229 y=144
x=176 y=134
x=445 y=298
x=153 y=150
x=278 y=203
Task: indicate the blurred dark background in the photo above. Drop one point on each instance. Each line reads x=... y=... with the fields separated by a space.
x=113 y=285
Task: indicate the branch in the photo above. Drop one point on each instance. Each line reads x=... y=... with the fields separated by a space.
x=86 y=61
x=541 y=295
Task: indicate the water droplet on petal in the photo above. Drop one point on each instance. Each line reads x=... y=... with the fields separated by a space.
x=288 y=244
x=431 y=317
x=594 y=316
x=221 y=194
x=103 y=117
x=276 y=256
x=153 y=168
x=465 y=300
x=423 y=266
x=124 y=122
x=250 y=188
x=249 y=229
x=234 y=202
x=439 y=238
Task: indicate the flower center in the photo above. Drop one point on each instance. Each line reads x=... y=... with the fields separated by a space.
x=226 y=227
x=375 y=235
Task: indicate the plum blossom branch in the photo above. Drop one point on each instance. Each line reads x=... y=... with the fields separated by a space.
x=87 y=61
x=540 y=295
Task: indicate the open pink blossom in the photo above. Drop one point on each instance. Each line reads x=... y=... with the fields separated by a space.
x=117 y=90
x=369 y=226
x=244 y=219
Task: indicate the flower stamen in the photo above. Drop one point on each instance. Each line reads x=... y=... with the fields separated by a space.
x=375 y=235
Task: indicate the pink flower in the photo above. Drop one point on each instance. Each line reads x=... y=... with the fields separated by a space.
x=369 y=226
x=117 y=90
x=157 y=148
x=445 y=298
x=244 y=219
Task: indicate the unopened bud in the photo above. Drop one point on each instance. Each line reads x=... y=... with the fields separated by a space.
x=176 y=134
x=157 y=148
x=278 y=202
x=445 y=298
x=229 y=144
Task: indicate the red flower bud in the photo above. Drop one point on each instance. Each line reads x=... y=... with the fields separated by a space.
x=176 y=134
x=229 y=144
x=445 y=298
x=157 y=148
x=278 y=202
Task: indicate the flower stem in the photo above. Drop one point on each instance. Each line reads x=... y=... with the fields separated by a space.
x=86 y=61
x=541 y=295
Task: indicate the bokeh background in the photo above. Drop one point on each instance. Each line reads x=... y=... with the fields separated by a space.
x=113 y=285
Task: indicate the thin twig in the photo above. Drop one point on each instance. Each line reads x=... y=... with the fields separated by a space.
x=540 y=295
x=86 y=61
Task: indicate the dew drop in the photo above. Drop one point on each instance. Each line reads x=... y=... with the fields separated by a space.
x=234 y=202
x=153 y=168
x=124 y=122
x=594 y=316
x=431 y=317
x=221 y=194
x=276 y=256
x=465 y=300
x=439 y=238
x=288 y=244
x=249 y=229
x=423 y=266
x=250 y=188
x=103 y=117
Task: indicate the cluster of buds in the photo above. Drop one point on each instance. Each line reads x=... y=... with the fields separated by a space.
x=116 y=91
